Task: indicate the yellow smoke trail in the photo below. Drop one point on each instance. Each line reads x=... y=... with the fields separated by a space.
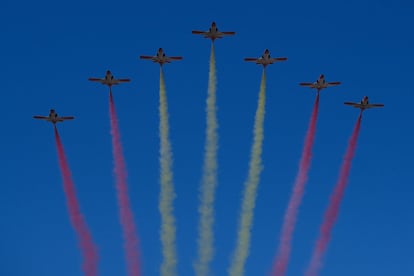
x=167 y=195
x=209 y=180
x=255 y=167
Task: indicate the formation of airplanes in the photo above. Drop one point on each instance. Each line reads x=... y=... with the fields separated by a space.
x=160 y=57
x=213 y=33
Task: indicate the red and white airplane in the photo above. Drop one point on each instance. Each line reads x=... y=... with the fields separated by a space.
x=265 y=59
x=109 y=80
x=161 y=58
x=53 y=117
x=213 y=32
x=364 y=104
x=320 y=83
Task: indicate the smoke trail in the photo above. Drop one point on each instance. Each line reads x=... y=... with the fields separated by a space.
x=126 y=215
x=281 y=261
x=255 y=167
x=209 y=180
x=167 y=195
x=88 y=248
x=333 y=208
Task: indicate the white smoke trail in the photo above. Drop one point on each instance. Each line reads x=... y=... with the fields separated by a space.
x=209 y=180
x=167 y=195
x=246 y=216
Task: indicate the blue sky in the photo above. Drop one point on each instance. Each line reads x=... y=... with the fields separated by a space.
x=50 y=48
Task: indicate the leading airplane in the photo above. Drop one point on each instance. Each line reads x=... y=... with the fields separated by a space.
x=265 y=59
x=109 y=80
x=161 y=58
x=54 y=118
x=320 y=83
x=213 y=32
x=364 y=104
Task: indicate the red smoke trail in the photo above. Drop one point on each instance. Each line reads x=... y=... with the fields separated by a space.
x=127 y=220
x=282 y=258
x=88 y=248
x=333 y=208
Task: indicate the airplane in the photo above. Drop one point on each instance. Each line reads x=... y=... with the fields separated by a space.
x=265 y=59
x=213 y=32
x=53 y=117
x=364 y=104
x=320 y=83
x=161 y=58
x=109 y=80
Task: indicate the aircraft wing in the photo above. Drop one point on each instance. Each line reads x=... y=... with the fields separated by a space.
x=61 y=119
x=146 y=57
x=95 y=79
x=175 y=58
x=333 y=83
x=278 y=59
x=357 y=105
x=374 y=105
x=41 y=117
x=123 y=80
x=199 y=32
x=251 y=59
x=307 y=84
x=228 y=33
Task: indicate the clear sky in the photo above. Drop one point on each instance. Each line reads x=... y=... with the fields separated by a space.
x=50 y=48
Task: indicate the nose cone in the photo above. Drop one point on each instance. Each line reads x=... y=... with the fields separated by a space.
x=108 y=72
x=52 y=111
x=213 y=24
x=321 y=76
x=266 y=51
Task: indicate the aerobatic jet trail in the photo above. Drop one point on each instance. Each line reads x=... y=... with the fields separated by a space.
x=333 y=209
x=167 y=194
x=88 y=248
x=126 y=215
x=282 y=258
x=209 y=180
x=255 y=167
